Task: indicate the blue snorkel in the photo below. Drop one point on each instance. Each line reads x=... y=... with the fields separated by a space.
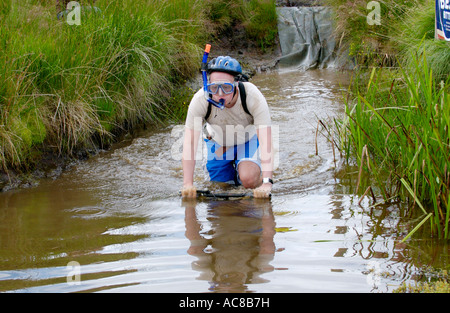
x=221 y=103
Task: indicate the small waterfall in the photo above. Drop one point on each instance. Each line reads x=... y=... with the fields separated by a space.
x=306 y=37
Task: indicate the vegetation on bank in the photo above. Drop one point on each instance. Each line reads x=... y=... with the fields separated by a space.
x=69 y=87
x=257 y=17
x=398 y=107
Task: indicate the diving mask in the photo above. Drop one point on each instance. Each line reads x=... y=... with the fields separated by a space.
x=226 y=87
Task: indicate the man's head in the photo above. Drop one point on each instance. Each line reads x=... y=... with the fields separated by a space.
x=223 y=72
x=222 y=86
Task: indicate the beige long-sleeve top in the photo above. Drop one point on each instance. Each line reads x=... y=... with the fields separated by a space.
x=230 y=126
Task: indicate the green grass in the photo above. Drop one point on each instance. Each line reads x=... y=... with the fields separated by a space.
x=370 y=44
x=398 y=126
x=262 y=22
x=257 y=17
x=64 y=85
x=404 y=26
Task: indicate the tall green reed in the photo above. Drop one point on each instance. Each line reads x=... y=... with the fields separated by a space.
x=398 y=126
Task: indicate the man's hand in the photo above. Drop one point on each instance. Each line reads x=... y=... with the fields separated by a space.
x=263 y=191
x=189 y=192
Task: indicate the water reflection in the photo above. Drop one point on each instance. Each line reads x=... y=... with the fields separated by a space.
x=234 y=244
x=35 y=224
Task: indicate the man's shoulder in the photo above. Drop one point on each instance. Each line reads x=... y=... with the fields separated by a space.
x=198 y=100
x=199 y=94
x=197 y=108
x=249 y=85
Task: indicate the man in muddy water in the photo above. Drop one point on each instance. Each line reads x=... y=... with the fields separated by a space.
x=238 y=134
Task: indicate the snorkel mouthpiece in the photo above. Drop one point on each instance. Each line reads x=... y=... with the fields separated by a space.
x=221 y=103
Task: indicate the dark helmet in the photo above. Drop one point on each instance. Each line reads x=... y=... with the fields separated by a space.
x=225 y=64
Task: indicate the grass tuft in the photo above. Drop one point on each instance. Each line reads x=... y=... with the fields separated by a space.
x=399 y=124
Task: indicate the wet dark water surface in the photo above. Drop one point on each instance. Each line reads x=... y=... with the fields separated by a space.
x=116 y=223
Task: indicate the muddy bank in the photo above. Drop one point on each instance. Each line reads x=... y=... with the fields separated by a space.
x=50 y=165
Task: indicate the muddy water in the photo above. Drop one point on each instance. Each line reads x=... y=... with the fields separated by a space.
x=116 y=223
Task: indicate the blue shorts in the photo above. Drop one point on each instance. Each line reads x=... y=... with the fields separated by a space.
x=223 y=168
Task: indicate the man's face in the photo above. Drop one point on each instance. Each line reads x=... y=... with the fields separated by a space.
x=220 y=77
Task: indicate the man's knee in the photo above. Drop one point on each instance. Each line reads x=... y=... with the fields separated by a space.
x=249 y=175
x=249 y=181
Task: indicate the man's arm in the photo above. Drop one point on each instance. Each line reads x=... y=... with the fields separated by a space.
x=190 y=144
x=265 y=148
